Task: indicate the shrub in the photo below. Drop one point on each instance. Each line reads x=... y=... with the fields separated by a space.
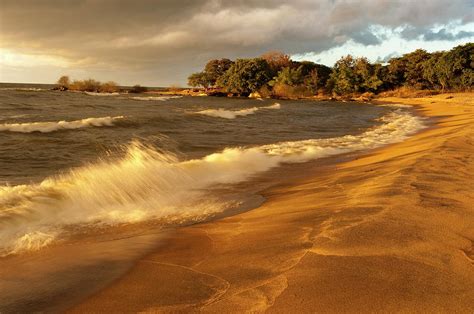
x=64 y=82
x=138 y=89
x=109 y=87
x=282 y=90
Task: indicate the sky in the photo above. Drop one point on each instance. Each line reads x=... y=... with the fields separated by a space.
x=160 y=42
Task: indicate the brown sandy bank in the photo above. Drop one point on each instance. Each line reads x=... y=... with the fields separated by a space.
x=390 y=231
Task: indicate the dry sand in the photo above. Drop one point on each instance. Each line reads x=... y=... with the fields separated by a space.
x=389 y=231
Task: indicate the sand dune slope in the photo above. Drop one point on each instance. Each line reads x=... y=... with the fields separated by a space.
x=389 y=231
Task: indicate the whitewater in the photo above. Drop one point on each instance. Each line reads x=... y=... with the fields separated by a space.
x=232 y=114
x=74 y=164
x=149 y=184
x=47 y=127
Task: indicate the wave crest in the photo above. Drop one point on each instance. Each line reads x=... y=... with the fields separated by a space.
x=102 y=94
x=232 y=114
x=152 y=98
x=47 y=127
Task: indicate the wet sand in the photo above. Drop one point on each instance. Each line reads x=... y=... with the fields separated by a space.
x=390 y=231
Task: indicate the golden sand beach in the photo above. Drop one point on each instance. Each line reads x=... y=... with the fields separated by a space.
x=390 y=231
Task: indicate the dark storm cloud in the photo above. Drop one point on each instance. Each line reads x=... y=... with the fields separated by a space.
x=172 y=38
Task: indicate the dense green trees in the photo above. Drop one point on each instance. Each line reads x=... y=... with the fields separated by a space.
x=462 y=60
x=408 y=70
x=351 y=75
x=277 y=61
x=213 y=70
x=276 y=74
x=245 y=76
x=199 y=79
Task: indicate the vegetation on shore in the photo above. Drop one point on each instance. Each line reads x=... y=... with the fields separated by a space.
x=274 y=74
x=90 y=85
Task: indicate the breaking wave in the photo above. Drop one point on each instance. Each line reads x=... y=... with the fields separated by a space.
x=232 y=114
x=47 y=127
x=149 y=184
x=25 y=89
x=154 y=98
x=101 y=94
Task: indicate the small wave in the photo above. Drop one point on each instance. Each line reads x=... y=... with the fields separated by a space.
x=155 y=98
x=148 y=184
x=232 y=114
x=397 y=106
x=32 y=241
x=101 y=94
x=25 y=89
x=47 y=127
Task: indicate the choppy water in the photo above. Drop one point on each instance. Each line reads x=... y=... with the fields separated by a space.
x=76 y=161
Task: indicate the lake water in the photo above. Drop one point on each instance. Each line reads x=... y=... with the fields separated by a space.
x=71 y=160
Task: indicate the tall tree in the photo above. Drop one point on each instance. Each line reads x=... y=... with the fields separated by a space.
x=408 y=69
x=461 y=61
x=199 y=79
x=367 y=79
x=343 y=78
x=277 y=60
x=290 y=76
x=215 y=69
x=245 y=76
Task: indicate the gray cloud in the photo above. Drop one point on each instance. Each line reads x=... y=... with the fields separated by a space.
x=164 y=40
x=425 y=33
x=443 y=34
x=366 y=38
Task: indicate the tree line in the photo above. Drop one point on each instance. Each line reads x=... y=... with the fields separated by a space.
x=275 y=74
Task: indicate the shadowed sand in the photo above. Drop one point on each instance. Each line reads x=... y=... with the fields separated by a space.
x=389 y=231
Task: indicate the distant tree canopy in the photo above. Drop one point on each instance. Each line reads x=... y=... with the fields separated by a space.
x=351 y=75
x=89 y=85
x=277 y=61
x=136 y=89
x=213 y=70
x=199 y=79
x=275 y=73
x=245 y=76
x=216 y=68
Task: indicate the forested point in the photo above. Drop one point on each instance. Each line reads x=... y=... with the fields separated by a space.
x=274 y=74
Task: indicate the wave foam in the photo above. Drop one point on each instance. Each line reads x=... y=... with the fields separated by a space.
x=47 y=127
x=101 y=94
x=147 y=184
x=232 y=114
x=153 y=98
x=25 y=89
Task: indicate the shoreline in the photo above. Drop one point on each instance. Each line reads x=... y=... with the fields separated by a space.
x=362 y=238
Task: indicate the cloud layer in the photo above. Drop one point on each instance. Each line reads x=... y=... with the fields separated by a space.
x=162 y=41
